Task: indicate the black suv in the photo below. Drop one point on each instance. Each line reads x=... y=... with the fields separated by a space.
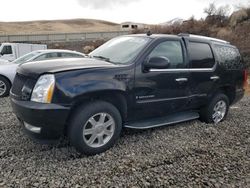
x=134 y=81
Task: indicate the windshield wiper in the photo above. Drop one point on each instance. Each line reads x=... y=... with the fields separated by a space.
x=102 y=58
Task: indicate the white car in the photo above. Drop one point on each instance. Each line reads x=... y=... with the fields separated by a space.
x=8 y=70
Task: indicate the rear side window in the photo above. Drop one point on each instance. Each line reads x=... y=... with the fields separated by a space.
x=52 y=55
x=229 y=57
x=200 y=55
x=71 y=55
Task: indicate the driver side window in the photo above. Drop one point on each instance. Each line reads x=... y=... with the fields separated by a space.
x=171 y=50
x=6 y=50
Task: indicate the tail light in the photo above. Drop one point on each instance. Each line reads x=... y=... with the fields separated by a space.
x=245 y=75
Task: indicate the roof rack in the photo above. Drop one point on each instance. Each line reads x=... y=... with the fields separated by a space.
x=203 y=37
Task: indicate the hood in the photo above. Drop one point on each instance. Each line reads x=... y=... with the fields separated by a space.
x=4 y=62
x=8 y=66
x=8 y=70
x=52 y=66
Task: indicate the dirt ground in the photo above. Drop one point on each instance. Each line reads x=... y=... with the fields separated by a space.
x=189 y=154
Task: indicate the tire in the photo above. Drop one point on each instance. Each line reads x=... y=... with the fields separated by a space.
x=4 y=87
x=208 y=112
x=89 y=129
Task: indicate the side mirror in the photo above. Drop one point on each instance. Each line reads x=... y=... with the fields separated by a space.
x=160 y=62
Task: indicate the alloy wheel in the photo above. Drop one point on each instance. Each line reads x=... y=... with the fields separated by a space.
x=219 y=111
x=98 y=130
x=3 y=88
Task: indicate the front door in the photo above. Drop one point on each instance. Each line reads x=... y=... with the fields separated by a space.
x=7 y=53
x=159 y=92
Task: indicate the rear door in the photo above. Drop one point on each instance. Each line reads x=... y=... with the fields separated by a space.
x=204 y=77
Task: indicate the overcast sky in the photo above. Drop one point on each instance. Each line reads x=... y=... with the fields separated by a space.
x=146 y=11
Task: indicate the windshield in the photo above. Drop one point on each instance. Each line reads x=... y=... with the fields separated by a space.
x=121 y=49
x=26 y=57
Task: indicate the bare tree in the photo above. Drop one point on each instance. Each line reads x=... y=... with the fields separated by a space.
x=217 y=16
x=210 y=10
x=223 y=10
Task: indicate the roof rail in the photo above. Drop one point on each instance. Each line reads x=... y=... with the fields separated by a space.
x=203 y=37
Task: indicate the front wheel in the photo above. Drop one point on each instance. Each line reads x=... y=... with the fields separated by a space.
x=216 y=111
x=95 y=127
x=4 y=87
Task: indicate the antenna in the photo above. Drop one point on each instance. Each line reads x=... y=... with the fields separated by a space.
x=149 y=33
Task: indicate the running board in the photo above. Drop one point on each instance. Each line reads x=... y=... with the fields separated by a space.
x=167 y=120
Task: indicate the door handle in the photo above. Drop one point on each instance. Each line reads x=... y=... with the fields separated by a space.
x=181 y=79
x=214 y=78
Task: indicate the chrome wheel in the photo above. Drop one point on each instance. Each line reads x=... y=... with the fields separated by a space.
x=98 y=130
x=3 y=87
x=219 y=111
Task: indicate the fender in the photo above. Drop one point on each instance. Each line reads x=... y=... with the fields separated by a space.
x=77 y=84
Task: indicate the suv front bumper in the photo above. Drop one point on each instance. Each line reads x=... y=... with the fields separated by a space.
x=43 y=122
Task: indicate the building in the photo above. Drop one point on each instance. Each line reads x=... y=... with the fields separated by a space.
x=127 y=26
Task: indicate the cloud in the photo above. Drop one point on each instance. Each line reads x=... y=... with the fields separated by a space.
x=230 y=2
x=104 y=4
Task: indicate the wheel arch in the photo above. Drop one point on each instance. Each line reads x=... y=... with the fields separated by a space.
x=3 y=76
x=115 y=97
x=8 y=85
x=229 y=91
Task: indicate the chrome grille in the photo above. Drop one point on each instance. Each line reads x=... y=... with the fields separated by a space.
x=19 y=82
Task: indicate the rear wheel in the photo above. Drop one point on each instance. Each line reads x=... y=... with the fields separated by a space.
x=4 y=87
x=216 y=110
x=95 y=127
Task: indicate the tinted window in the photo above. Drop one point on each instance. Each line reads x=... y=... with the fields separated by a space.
x=229 y=57
x=172 y=50
x=7 y=50
x=200 y=55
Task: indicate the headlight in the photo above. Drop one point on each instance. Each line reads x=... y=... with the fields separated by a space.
x=44 y=88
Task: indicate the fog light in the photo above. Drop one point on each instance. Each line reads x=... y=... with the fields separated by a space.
x=32 y=128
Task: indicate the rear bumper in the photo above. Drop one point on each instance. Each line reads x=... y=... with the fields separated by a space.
x=49 y=118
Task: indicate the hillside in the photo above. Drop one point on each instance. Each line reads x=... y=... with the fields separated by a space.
x=57 y=26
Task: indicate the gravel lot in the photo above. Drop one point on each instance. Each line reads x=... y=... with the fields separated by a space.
x=191 y=154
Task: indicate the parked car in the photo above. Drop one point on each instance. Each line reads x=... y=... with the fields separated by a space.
x=11 y=51
x=134 y=81
x=8 y=70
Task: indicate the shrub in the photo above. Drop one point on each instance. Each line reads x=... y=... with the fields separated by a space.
x=239 y=16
